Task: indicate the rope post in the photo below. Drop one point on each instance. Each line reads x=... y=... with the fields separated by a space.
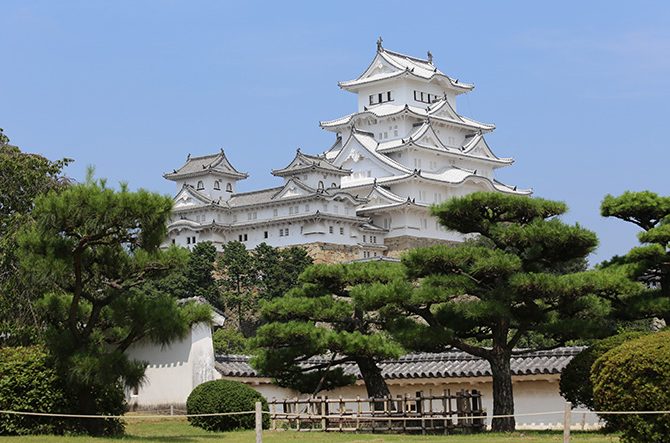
x=259 y=422
x=567 y=421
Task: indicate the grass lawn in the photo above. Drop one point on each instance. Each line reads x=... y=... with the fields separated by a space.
x=179 y=431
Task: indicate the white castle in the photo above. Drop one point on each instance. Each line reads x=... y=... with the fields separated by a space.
x=369 y=195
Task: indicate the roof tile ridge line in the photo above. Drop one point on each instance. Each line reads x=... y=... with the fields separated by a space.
x=200 y=157
x=411 y=57
x=258 y=191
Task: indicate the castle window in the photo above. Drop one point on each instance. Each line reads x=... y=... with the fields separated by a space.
x=265 y=234
x=320 y=187
x=274 y=212
x=330 y=229
x=286 y=232
x=333 y=185
x=217 y=185
x=364 y=239
x=200 y=186
x=381 y=97
x=188 y=240
x=341 y=231
x=229 y=187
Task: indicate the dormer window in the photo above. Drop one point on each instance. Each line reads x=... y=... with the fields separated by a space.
x=229 y=187
x=320 y=187
x=381 y=97
x=200 y=186
x=217 y=185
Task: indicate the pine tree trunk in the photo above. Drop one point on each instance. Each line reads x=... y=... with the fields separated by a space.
x=503 y=398
x=374 y=381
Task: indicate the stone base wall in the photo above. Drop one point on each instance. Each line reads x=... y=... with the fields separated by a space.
x=397 y=245
x=332 y=253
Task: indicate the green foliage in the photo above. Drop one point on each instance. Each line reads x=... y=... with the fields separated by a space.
x=98 y=249
x=249 y=277
x=575 y=385
x=225 y=396
x=635 y=377
x=27 y=383
x=277 y=270
x=23 y=177
x=229 y=341
x=199 y=274
x=511 y=284
x=334 y=317
x=647 y=263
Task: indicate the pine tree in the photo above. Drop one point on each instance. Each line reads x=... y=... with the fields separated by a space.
x=487 y=294
x=98 y=248
x=325 y=318
x=650 y=262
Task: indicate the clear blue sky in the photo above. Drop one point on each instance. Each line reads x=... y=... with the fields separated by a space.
x=579 y=90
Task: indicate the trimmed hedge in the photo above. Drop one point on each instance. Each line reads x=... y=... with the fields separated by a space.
x=635 y=377
x=575 y=385
x=27 y=383
x=225 y=396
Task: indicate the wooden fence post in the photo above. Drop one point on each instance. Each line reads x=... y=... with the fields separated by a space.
x=259 y=423
x=567 y=421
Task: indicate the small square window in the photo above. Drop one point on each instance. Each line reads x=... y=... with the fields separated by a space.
x=330 y=229
x=341 y=231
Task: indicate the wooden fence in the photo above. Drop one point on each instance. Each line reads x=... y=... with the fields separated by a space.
x=442 y=413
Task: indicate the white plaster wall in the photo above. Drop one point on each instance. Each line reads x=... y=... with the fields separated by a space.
x=174 y=370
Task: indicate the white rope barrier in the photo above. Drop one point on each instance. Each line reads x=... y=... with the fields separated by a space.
x=47 y=414
x=286 y=415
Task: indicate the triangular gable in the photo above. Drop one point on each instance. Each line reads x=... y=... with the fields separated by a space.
x=426 y=136
x=478 y=147
x=293 y=188
x=443 y=109
x=379 y=66
x=189 y=197
x=361 y=147
x=379 y=196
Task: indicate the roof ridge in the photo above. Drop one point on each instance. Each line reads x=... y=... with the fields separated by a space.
x=411 y=57
x=193 y=157
x=258 y=191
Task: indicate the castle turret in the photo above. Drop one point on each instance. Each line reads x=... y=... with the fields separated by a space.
x=212 y=175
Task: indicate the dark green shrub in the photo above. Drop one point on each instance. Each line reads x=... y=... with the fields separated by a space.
x=575 y=385
x=225 y=396
x=635 y=377
x=27 y=383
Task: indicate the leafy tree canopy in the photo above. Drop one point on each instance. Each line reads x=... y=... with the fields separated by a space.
x=23 y=177
x=325 y=322
x=650 y=262
x=486 y=295
x=98 y=248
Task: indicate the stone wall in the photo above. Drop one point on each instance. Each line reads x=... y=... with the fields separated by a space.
x=332 y=253
x=398 y=245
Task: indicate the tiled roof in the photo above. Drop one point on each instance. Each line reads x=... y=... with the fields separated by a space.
x=217 y=163
x=303 y=162
x=404 y=64
x=430 y=365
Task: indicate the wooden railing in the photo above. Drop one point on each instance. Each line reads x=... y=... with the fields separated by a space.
x=431 y=413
